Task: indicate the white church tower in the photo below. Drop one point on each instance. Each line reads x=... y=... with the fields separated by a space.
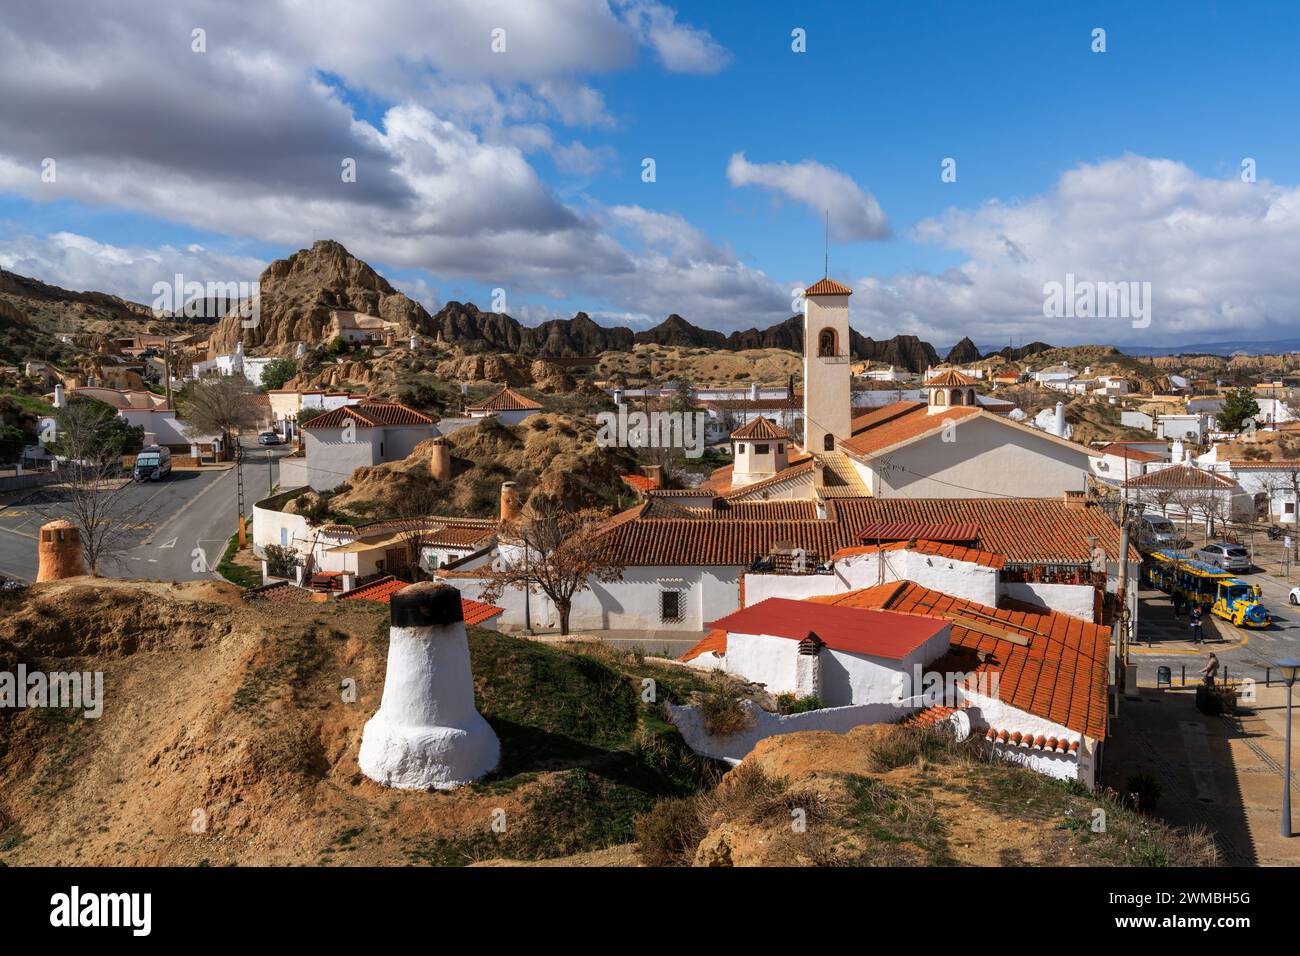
x=827 y=401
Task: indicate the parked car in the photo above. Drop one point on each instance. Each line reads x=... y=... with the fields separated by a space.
x=1230 y=557
x=1156 y=531
x=1294 y=597
x=153 y=463
x=268 y=438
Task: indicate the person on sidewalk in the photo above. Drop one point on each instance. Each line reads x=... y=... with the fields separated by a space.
x=1210 y=670
x=1194 y=619
x=1178 y=604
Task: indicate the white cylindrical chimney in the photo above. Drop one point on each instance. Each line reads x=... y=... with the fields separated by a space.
x=414 y=343
x=753 y=391
x=301 y=350
x=618 y=396
x=59 y=400
x=427 y=732
x=1059 y=426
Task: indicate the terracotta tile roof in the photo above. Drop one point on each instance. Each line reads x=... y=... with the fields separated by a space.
x=879 y=531
x=282 y=592
x=451 y=532
x=902 y=427
x=732 y=509
x=885 y=413
x=939 y=549
x=370 y=414
x=762 y=429
x=641 y=482
x=834 y=476
x=1048 y=664
x=1181 y=476
x=715 y=642
x=827 y=287
x=1278 y=465
x=1132 y=454
x=382 y=591
x=950 y=377
x=1027 y=741
x=506 y=400
x=1025 y=530
x=803 y=469
x=929 y=716
x=841 y=627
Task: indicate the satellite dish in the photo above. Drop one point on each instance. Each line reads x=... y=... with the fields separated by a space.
x=961 y=724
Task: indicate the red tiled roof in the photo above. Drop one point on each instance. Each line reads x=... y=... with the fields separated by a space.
x=382 y=591
x=715 y=642
x=1180 y=476
x=761 y=428
x=903 y=425
x=370 y=414
x=753 y=404
x=506 y=400
x=929 y=716
x=1123 y=450
x=1058 y=672
x=1027 y=741
x=641 y=482
x=950 y=377
x=1278 y=465
x=907 y=530
x=1025 y=530
x=827 y=287
x=840 y=627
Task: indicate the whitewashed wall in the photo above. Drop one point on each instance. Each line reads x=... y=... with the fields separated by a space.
x=1076 y=600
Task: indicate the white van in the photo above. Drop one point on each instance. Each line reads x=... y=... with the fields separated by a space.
x=152 y=464
x=1156 y=531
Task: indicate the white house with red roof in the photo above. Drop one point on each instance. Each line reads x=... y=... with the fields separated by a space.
x=355 y=436
x=507 y=406
x=1031 y=682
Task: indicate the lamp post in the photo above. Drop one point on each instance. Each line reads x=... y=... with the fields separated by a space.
x=1289 y=669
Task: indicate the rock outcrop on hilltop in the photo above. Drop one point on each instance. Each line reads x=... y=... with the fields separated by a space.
x=675 y=330
x=963 y=353
x=463 y=324
x=297 y=295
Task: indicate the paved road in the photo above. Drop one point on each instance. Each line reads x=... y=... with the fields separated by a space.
x=177 y=534
x=1245 y=652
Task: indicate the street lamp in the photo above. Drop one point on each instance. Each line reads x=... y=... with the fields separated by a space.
x=1289 y=669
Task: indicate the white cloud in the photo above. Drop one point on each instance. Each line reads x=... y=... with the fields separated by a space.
x=854 y=213
x=81 y=264
x=1219 y=255
x=681 y=48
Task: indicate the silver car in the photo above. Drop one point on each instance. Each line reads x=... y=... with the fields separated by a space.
x=1230 y=557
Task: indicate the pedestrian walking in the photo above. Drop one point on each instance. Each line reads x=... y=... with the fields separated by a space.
x=1210 y=670
x=1194 y=619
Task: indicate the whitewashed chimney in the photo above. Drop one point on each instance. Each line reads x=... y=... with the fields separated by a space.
x=808 y=667
x=427 y=732
x=59 y=400
x=1058 y=428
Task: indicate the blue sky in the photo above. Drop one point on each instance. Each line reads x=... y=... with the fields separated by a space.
x=522 y=170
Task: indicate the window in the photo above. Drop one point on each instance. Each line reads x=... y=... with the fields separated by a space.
x=670 y=605
x=828 y=443
x=284 y=537
x=826 y=342
x=956 y=397
x=762 y=449
x=740 y=449
x=780 y=449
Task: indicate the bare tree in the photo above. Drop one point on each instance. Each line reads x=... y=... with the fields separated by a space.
x=560 y=552
x=218 y=405
x=93 y=492
x=419 y=499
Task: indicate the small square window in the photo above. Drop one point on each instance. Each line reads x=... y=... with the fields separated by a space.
x=740 y=449
x=670 y=606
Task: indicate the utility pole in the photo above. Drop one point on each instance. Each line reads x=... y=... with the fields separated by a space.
x=167 y=368
x=239 y=492
x=270 y=474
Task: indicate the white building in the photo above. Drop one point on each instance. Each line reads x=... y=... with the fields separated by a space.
x=507 y=405
x=339 y=442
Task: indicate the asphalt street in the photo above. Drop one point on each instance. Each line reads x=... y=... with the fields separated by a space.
x=177 y=527
x=1245 y=652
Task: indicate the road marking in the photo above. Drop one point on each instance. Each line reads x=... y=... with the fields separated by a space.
x=185 y=507
x=21 y=534
x=169 y=544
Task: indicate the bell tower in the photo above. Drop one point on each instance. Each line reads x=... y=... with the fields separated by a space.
x=826 y=370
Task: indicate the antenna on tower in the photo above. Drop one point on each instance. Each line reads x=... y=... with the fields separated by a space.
x=826 y=248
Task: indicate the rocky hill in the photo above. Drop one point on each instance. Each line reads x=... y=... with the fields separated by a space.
x=297 y=295
x=963 y=353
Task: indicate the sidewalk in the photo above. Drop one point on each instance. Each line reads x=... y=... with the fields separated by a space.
x=1224 y=773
